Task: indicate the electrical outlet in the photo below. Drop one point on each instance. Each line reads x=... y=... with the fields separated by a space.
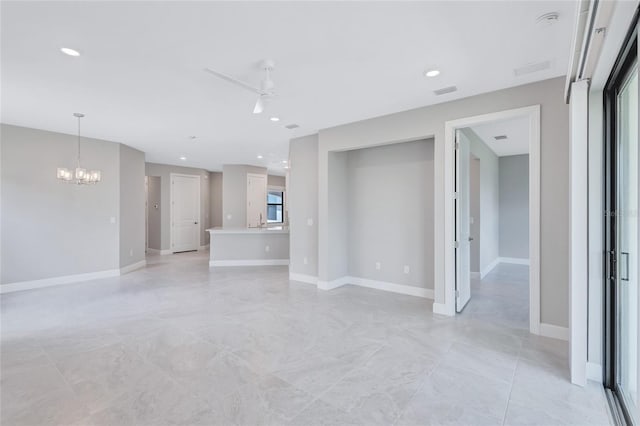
x=266 y=248
x=112 y=219
x=131 y=252
x=229 y=217
x=378 y=265
x=406 y=269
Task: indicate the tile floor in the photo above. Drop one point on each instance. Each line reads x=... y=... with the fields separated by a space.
x=176 y=343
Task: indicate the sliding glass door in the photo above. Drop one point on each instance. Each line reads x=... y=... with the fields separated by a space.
x=623 y=233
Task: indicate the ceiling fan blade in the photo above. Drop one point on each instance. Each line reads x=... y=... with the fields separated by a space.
x=234 y=81
x=259 y=106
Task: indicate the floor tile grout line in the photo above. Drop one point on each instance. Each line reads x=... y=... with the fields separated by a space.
x=513 y=377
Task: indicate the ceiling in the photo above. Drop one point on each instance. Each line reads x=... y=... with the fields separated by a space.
x=139 y=78
x=516 y=130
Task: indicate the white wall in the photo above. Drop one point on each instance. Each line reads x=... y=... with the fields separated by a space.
x=390 y=213
x=489 y=199
x=164 y=171
x=514 y=206
x=302 y=200
x=429 y=122
x=234 y=194
x=132 y=206
x=52 y=229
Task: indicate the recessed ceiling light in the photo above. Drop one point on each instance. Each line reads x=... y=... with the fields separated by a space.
x=183 y=158
x=259 y=157
x=432 y=73
x=70 y=52
x=274 y=119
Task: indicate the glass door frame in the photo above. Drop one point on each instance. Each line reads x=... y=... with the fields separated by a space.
x=623 y=65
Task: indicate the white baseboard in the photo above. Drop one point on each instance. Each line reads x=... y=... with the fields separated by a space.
x=441 y=309
x=204 y=248
x=330 y=285
x=489 y=267
x=392 y=287
x=594 y=372
x=514 y=260
x=250 y=262
x=133 y=267
x=554 y=331
x=309 y=279
x=55 y=281
x=160 y=252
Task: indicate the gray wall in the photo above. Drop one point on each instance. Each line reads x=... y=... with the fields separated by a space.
x=302 y=200
x=250 y=246
x=163 y=171
x=489 y=198
x=50 y=228
x=215 y=183
x=390 y=213
x=273 y=180
x=429 y=122
x=132 y=206
x=514 y=206
x=338 y=205
x=474 y=199
x=154 y=223
x=234 y=194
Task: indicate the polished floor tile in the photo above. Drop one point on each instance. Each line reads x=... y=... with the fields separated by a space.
x=179 y=344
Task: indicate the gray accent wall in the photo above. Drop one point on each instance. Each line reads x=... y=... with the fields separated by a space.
x=132 y=206
x=215 y=184
x=302 y=200
x=338 y=206
x=163 y=171
x=429 y=121
x=154 y=223
x=489 y=246
x=234 y=194
x=273 y=180
x=390 y=213
x=49 y=228
x=514 y=206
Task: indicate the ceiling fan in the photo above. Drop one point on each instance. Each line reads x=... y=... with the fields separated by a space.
x=266 y=90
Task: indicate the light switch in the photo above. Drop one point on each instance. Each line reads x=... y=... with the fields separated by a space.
x=229 y=217
x=112 y=219
x=266 y=248
x=310 y=222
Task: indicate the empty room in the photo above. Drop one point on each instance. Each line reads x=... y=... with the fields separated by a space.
x=314 y=213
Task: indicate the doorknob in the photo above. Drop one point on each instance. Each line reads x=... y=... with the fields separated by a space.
x=470 y=238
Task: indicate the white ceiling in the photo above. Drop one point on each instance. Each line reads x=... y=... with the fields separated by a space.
x=516 y=130
x=140 y=80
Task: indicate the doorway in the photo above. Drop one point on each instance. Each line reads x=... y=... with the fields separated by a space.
x=185 y=212
x=622 y=239
x=459 y=221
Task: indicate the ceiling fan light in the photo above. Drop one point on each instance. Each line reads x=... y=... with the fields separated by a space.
x=259 y=106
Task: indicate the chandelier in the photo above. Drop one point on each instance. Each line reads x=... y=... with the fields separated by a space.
x=79 y=176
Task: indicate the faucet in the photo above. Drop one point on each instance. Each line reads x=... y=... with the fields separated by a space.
x=260 y=222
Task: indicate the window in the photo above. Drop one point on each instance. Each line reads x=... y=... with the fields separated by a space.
x=275 y=206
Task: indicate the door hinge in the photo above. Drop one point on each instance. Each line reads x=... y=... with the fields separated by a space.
x=457 y=293
x=455 y=195
x=456 y=244
x=456 y=145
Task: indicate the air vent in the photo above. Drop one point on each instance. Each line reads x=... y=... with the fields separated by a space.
x=500 y=137
x=445 y=90
x=531 y=68
x=291 y=126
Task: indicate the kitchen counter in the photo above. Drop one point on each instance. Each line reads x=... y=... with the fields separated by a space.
x=249 y=246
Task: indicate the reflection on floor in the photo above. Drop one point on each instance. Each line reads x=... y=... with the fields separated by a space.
x=176 y=343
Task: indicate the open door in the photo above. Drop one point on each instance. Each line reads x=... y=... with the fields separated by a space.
x=462 y=231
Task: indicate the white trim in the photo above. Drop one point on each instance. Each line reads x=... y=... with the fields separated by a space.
x=250 y=262
x=444 y=243
x=309 y=279
x=55 y=281
x=133 y=267
x=159 y=252
x=440 y=309
x=330 y=285
x=514 y=260
x=554 y=331
x=392 y=287
x=171 y=176
x=594 y=372
x=489 y=267
x=204 y=248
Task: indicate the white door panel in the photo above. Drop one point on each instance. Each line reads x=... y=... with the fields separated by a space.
x=185 y=213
